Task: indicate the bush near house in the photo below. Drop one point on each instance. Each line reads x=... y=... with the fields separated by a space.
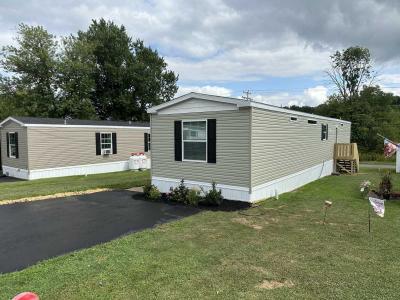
x=151 y=192
x=193 y=196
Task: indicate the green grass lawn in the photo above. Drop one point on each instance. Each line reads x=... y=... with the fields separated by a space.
x=41 y=187
x=227 y=255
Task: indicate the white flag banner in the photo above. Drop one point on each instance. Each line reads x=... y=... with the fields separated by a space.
x=378 y=205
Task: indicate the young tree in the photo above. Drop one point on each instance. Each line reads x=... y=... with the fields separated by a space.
x=350 y=71
x=32 y=64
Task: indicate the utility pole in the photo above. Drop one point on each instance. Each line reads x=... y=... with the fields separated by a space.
x=247 y=95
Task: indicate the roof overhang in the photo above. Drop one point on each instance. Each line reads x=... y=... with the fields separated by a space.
x=71 y=125
x=234 y=101
x=239 y=103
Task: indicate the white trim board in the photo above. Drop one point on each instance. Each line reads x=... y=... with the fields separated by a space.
x=83 y=126
x=239 y=103
x=108 y=167
x=269 y=189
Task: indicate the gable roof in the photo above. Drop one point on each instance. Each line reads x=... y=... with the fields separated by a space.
x=49 y=122
x=239 y=103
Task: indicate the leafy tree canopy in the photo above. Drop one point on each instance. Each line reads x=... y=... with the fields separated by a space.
x=100 y=73
x=350 y=71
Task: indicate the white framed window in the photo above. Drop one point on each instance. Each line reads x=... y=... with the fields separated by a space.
x=194 y=140
x=106 y=142
x=12 y=144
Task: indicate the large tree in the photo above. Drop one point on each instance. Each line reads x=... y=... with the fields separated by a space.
x=76 y=80
x=150 y=81
x=98 y=73
x=32 y=68
x=350 y=71
x=111 y=52
x=128 y=76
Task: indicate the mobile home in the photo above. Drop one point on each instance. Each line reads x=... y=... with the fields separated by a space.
x=33 y=148
x=252 y=150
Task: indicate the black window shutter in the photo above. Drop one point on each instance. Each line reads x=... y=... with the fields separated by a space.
x=146 y=142
x=114 y=142
x=8 y=144
x=178 y=140
x=327 y=130
x=16 y=145
x=212 y=141
x=322 y=132
x=98 y=146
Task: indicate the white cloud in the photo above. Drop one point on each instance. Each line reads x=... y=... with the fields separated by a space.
x=310 y=97
x=207 y=89
x=316 y=95
x=389 y=83
x=254 y=62
x=225 y=40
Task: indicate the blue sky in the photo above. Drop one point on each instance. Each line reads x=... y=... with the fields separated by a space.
x=278 y=49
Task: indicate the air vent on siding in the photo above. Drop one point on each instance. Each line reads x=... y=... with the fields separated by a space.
x=293 y=119
x=312 y=122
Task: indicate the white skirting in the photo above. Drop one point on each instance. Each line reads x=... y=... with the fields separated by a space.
x=260 y=192
x=15 y=172
x=291 y=182
x=66 y=171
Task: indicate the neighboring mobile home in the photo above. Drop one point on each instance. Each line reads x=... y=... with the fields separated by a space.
x=250 y=149
x=33 y=148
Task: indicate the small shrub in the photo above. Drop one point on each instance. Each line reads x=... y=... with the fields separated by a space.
x=154 y=194
x=151 y=192
x=213 y=196
x=193 y=197
x=180 y=193
x=385 y=186
x=146 y=189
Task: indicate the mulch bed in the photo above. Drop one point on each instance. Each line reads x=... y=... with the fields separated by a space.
x=227 y=205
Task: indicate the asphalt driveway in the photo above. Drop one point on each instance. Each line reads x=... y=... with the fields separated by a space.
x=31 y=232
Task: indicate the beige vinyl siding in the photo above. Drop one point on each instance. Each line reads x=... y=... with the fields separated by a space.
x=281 y=147
x=233 y=149
x=22 y=161
x=52 y=147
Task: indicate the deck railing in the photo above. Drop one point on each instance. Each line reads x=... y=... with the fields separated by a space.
x=346 y=151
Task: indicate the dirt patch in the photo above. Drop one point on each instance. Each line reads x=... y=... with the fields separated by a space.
x=247 y=223
x=274 y=284
x=58 y=195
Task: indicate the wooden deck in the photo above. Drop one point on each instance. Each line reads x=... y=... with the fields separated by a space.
x=346 y=158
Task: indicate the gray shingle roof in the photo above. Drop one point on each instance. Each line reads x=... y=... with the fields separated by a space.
x=53 y=121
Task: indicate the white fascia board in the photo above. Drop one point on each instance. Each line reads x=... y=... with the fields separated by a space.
x=84 y=126
x=11 y=119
